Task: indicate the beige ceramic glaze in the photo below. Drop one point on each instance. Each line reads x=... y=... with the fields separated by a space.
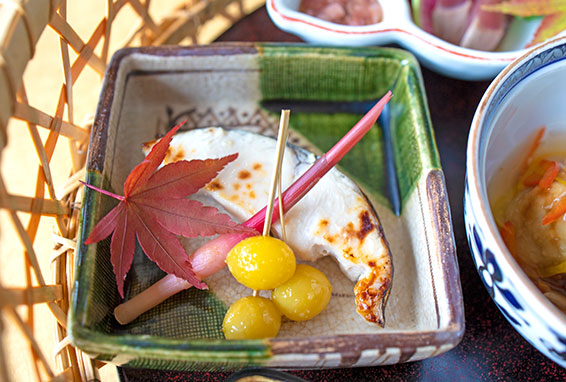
x=146 y=92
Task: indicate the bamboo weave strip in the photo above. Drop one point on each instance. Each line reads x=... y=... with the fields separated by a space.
x=21 y=25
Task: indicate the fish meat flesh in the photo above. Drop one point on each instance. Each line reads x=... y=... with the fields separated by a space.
x=333 y=219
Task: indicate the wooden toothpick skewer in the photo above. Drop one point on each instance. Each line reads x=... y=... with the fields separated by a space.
x=276 y=177
x=281 y=141
x=281 y=214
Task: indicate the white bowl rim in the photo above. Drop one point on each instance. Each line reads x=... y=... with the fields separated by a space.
x=540 y=303
x=291 y=16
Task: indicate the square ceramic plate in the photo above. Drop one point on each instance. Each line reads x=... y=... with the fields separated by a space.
x=148 y=90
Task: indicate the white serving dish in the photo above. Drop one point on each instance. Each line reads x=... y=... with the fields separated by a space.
x=397 y=27
x=528 y=94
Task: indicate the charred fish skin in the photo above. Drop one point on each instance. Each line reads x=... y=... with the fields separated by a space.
x=333 y=219
x=352 y=234
x=372 y=291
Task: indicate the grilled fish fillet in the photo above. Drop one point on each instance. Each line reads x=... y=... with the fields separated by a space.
x=333 y=219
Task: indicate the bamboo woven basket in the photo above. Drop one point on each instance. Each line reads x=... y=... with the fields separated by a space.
x=45 y=110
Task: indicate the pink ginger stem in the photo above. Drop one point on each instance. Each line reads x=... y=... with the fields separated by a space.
x=425 y=14
x=327 y=161
x=450 y=18
x=485 y=29
x=152 y=296
x=209 y=264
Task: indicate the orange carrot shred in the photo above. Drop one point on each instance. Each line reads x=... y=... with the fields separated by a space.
x=507 y=232
x=556 y=212
x=535 y=172
x=532 y=149
x=549 y=175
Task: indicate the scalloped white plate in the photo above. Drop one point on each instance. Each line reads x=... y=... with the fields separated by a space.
x=397 y=27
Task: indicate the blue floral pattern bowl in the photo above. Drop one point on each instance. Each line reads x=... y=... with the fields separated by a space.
x=528 y=93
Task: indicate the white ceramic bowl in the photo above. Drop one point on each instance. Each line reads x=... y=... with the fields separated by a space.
x=527 y=94
x=397 y=27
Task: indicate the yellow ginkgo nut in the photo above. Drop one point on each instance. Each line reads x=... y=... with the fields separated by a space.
x=261 y=262
x=252 y=317
x=303 y=296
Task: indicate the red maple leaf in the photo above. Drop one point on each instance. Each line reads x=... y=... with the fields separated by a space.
x=154 y=209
